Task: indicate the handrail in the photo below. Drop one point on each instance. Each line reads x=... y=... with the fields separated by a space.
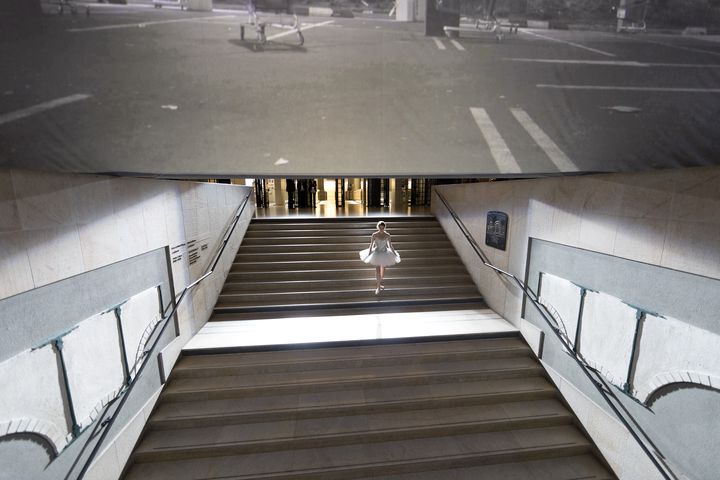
x=597 y=380
x=107 y=423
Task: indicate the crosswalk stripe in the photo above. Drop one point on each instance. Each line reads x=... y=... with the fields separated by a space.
x=457 y=45
x=572 y=44
x=294 y=31
x=502 y=155
x=439 y=44
x=630 y=89
x=145 y=24
x=26 y=112
x=556 y=155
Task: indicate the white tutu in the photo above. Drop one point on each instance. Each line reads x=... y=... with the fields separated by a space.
x=380 y=255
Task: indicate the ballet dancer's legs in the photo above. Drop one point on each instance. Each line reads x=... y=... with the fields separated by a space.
x=382 y=277
x=377 y=279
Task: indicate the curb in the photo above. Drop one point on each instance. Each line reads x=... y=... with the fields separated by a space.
x=322 y=12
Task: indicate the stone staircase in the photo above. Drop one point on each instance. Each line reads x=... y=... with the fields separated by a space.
x=459 y=408
x=300 y=265
x=464 y=409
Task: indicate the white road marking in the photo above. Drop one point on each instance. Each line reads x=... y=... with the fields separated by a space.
x=613 y=63
x=618 y=63
x=630 y=89
x=210 y=22
x=457 y=45
x=439 y=44
x=292 y=32
x=26 y=112
x=556 y=155
x=689 y=49
x=573 y=44
x=502 y=155
x=145 y=24
x=685 y=65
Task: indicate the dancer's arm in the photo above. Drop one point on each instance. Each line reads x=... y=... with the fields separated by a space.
x=372 y=242
x=392 y=247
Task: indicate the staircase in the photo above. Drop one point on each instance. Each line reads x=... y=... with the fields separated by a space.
x=302 y=265
x=464 y=409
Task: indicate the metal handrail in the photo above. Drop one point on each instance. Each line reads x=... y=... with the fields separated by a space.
x=173 y=307
x=597 y=380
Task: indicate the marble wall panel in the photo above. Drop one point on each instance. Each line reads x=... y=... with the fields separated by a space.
x=604 y=196
x=693 y=247
x=39 y=399
x=563 y=297
x=14 y=265
x=671 y=348
x=92 y=198
x=9 y=216
x=54 y=253
x=44 y=200
x=652 y=198
x=607 y=335
x=94 y=364
x=139 y=315
x=641 y=239
x=154 y=221
x=598 y=232
x=100 y=242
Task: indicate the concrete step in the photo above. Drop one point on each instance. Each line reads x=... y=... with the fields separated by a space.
x=368 y=308
x=391 y=457
x=320 y=254
x=577 y=467
x=341 y=247
x=364 y=282
x=219 y=387
x=325 y=296
x=382 y=301
x=351 y=401
x=355 y=264
x=347 y=357
x=326 y=273
x=320 y=239
x=178 y=444
x=398 y=222
x=286 y=231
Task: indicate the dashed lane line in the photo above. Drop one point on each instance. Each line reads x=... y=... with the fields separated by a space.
x=556 y=155
x=41 y=107
x=504 y=159
x=612 y=63
x=617 y=63
x=292 y=32
x=457 y=45
x=630 y=89
x=440 y=45
x=145 y=24
x=689 y=49
x=572 y=44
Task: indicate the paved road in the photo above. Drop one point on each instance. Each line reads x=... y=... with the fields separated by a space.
x=167 y=92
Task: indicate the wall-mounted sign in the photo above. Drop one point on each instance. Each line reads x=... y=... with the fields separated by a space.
x=496 y=230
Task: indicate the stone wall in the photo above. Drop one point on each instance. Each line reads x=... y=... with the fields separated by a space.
x=669 y=220
x=73 y=242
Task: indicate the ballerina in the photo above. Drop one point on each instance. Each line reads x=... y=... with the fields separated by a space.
x=381 y=254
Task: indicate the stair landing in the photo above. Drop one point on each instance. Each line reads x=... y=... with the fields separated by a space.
x=338 y=328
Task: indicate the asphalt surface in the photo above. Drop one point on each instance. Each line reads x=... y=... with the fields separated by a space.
x=175 y=93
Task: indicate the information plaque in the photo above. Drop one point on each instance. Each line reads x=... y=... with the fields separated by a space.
x=496 y=230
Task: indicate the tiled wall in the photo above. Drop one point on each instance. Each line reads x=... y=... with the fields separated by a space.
x=669 y=218
x=55 y=226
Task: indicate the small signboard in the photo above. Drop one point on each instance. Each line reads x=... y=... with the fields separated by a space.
x=496 y=230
